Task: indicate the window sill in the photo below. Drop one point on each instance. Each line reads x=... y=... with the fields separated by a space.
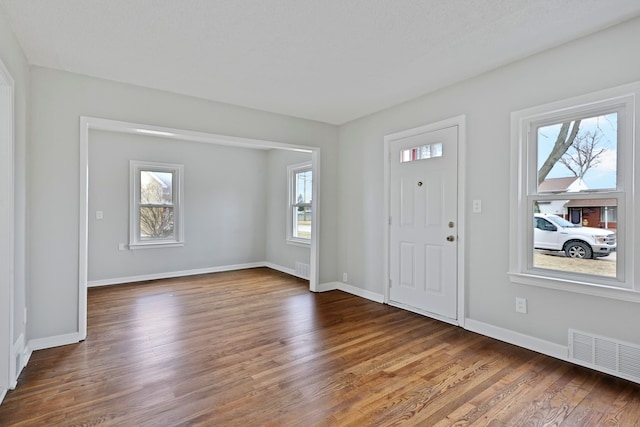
x=576 y=286
x=303 y=243
x=154 y=245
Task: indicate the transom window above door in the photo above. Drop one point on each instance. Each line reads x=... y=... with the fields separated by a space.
x=423 y=152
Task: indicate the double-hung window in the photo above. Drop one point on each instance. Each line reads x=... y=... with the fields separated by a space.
x=156 y=215
x=572 y=202
x=299 y=213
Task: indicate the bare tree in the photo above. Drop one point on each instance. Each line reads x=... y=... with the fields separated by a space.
x=155 y=220
x=563 y=142
x=584 y=153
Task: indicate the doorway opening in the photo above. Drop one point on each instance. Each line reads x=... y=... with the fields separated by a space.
x=88 y=124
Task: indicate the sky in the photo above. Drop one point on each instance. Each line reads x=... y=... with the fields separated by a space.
x=304 y=187
x=599 y=177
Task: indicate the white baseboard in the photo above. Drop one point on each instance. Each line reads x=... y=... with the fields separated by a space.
x=424 y=313
x=363 y=293
x=521 y=340
x=326 y=287
x=350 y=289
x=54 y=341
x=3 y=393
x=171 y=274
x=289 y=271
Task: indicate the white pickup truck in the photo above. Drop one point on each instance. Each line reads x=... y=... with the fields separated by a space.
x=554 y=233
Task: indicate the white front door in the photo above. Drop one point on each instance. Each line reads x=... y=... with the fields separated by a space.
x=423 y=224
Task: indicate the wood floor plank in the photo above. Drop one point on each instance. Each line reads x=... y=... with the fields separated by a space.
x=256 y=348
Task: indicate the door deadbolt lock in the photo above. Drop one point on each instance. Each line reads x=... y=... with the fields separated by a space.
x=419 y=183
x=450 y=238
x=451 y=224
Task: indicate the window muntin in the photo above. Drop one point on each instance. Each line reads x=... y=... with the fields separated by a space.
x=299 y=215
x=614 y=114
x=156 y=217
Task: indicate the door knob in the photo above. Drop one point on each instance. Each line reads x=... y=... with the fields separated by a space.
x=450 y=238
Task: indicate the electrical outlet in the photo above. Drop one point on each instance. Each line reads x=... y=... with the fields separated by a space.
x=521 y=305
x=122 y=246
x=99 y=215
x=345 y=278
x=476 y=206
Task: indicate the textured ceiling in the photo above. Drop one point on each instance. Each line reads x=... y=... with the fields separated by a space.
x=326 y=60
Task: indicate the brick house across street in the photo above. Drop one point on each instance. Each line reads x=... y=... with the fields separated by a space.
x=599 y=213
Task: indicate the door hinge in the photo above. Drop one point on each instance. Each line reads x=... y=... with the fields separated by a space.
x=389 y=220
x=390 y=283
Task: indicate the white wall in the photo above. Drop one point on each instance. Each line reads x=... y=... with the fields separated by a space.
x=15 y=62
x=58 y=99
x=225 y=195
x=600 y=61
x=278 y=251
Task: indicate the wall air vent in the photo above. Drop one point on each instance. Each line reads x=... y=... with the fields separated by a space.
x=605 y=354
x=302 y=270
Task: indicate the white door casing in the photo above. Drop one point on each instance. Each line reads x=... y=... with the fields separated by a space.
x=95 y=123
x=423 y=251
x=7 y=237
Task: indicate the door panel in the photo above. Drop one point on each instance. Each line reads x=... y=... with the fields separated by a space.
x=407 y=203
x=407 y=264
x=423 y=198
x=433 y=270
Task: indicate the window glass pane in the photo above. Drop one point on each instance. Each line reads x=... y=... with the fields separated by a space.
x=156 y=222
x=575 y=239
x=437 y=150
x=302 y=204
x=156 y=187
x=405 y=156
x=303 y=187
x=425 y=152
x=302 y=222
x=578 y=155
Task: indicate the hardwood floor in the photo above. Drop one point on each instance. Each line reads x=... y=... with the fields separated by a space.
x=255 y=347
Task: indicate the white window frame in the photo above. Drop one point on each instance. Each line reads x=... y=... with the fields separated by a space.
x=524 y=189
x=136 y=166
x=292 y=203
